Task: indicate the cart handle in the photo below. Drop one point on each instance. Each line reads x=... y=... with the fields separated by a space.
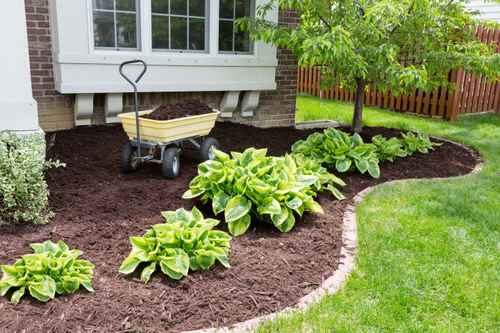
x=137 y=61
x=136 y=98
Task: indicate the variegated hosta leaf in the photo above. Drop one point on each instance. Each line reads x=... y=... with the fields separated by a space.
x=185 y=241
x=52 y=269
x=257 y=184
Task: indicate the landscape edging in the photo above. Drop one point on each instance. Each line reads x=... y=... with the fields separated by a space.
x=348 y=253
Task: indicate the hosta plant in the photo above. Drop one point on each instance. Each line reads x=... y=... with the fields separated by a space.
x=339 y=150
x=421 y=143
x=52 y=269
x=388 y=149
x=185 y=241
x=251 y=183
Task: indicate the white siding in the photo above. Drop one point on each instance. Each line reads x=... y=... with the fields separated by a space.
x=488 y=10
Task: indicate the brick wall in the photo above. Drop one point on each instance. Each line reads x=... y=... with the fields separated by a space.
x=55 y=110
x=277 y=108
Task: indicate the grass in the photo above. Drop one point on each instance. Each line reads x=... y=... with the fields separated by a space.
x=429 y=252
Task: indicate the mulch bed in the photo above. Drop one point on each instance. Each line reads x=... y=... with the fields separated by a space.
x=98 y=209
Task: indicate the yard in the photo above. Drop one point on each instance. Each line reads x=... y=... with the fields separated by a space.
x=428 y=257
x=424 y=251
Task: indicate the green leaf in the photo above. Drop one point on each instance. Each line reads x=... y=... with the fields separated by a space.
x=147 y=272
x=139 y=243
x=129 y=264
x=287 y=224
x=374 y=170
x=313 y=206
x=240 y=226
x=16 y=296
x=70 y=284
x=219 y=202
x=205 y=259
x=43 y=290
x=88 y=285
x=177 y=266
x=192 y=193
x=294 y=203
x=236 y=208
x=269 y=206
x=343 y=165
x=362 y=165
x=336 y=193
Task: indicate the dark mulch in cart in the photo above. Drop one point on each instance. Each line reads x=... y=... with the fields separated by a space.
x=178 y=110
x=98 y=209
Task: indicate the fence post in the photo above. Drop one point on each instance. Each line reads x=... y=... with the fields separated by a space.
x=454 y=96
x=496 y=106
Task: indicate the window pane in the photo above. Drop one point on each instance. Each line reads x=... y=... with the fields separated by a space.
x=197 y=8
x=196 y=34
x=160 y=32
x=178 y=7
x=125 y=5
x=226 y=9
x=178 y=32
x=104 y=29
x=241 y=42
x=159 y=6
x=226 y=35
x=103 y=4
x=242 y=8
x=126 y=27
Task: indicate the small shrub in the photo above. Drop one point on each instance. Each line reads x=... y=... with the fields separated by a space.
x=421 y=143
x=388 y=149
x=252 y=183
x=23 y=190
x=185 y=241
x=52 y=269
x=339 y=150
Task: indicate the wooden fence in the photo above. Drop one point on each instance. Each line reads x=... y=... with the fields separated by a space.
x=474 y=94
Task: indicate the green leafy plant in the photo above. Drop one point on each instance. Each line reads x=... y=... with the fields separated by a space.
x=185 y=241
x=23 y=190
x=52 y=269
x=252 y=183
x=418 y=143
x=388 y=149
x=339 y=150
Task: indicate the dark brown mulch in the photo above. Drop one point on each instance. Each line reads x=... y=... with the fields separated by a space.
x=179 y=110
x=98 y=209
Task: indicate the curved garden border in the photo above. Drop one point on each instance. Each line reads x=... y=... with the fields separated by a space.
x=348 y=251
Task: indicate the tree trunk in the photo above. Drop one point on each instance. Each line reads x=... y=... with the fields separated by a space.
x=357 y=118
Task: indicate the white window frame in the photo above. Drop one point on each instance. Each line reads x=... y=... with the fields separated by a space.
x=138 y=31
x=251 y=43
x=187 y=16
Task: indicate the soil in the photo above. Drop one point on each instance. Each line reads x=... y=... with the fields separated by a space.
x=179 y=110
x=97 y=209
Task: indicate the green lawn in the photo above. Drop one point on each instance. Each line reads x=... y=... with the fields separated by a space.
x=428 y=252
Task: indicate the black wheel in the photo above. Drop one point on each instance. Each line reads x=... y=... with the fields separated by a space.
x=171 y=164
x=129 y=163
x=206 y=149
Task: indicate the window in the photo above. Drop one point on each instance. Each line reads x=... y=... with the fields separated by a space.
x=179 y=25
x=115 y=24
x=230 y=40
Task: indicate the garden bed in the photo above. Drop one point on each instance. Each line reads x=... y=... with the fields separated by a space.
x=98 y=209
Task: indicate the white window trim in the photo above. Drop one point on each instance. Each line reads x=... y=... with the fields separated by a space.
x=252 y=43
x=144 y=38
x=115 y=11
x=207 y=19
